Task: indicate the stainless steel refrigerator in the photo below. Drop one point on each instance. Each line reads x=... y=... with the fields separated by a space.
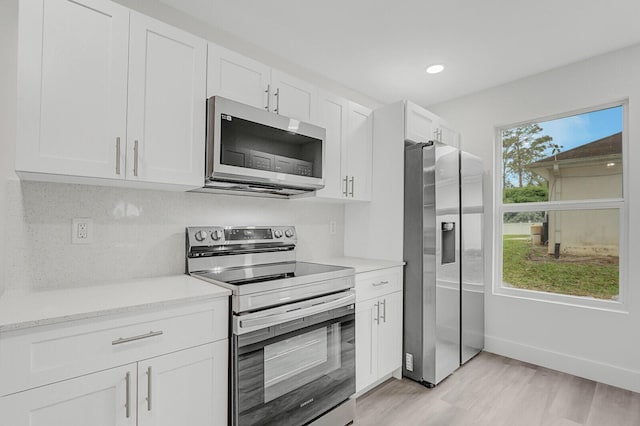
x=443 y=283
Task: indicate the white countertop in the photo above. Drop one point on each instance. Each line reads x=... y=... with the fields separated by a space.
x=22 y=309
x=360 y=264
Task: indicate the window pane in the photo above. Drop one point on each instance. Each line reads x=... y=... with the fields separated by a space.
x=572 y=252
x=571 y=158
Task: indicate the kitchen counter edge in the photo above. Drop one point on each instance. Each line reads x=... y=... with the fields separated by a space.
x=25 y=309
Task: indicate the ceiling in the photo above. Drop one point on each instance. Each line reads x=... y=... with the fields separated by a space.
x=381 y=48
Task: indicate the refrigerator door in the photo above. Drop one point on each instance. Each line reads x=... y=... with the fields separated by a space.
x=472 y=256
x=432 y=252
x=447 y=261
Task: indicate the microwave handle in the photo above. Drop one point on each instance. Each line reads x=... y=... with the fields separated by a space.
x=273 y=319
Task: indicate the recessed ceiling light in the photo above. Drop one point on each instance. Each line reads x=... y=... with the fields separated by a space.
x=435 y=69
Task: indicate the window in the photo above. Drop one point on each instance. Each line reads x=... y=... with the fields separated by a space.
x=562 y=207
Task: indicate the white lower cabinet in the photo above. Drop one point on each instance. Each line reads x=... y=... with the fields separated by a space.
x=378 y=326
x=98 y=399
x=164 y=367
x=187 y=387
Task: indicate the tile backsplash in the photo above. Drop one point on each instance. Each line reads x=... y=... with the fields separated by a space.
x=137 y=233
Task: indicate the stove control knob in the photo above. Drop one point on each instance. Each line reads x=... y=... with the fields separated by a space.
x=277 y=233
x=201 y=235
x=216 y=235
x=288 y=233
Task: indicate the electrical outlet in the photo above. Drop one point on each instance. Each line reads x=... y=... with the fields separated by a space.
x=333 y=227
x=81 y=231
x=408 y=364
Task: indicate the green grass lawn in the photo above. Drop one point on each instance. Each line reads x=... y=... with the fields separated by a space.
x=530 y=267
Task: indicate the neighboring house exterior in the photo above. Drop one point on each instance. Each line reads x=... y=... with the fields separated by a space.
x=590 y=171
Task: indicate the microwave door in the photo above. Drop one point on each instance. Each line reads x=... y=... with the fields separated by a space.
x=247 y=144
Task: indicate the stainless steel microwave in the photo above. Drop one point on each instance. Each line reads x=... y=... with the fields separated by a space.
x=253 y=150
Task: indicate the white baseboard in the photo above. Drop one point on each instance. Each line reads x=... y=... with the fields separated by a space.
x=581 y=367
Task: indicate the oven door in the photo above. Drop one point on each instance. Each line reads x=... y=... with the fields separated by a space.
x=294 y=372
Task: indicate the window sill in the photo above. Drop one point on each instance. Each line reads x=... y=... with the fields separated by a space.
x=615 y=306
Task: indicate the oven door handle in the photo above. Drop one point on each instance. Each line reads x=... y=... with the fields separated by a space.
x=272 y=319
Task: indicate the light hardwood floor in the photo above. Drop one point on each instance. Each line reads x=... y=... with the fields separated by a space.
x=498 y=391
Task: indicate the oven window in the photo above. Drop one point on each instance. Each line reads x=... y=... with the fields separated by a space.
x=294 y=362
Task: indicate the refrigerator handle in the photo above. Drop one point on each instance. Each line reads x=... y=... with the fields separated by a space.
x=448 y=230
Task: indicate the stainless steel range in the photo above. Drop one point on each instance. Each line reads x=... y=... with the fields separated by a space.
x=293 y=326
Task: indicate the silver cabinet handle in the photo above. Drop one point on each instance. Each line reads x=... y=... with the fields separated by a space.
x=384 y=310
x=135 y=158
x=352 y=180
x=346 y=186
x=138 y=337
x=277 y=95
x=118 y=156
x=377 y=318
x=149 y=388
x=380 y=283
x=127 y=403
x=268 y=92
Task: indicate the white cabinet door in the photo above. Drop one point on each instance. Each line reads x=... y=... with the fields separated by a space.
x=188 y=387
x=447 y=135
x=72 y=85
x=366 y=343
x=333 y=117
x=359 y=152
x=167 y=104
x=237 y=77
x=293 y=97
x=98 y=399
x=390 y=333
x=420 y=124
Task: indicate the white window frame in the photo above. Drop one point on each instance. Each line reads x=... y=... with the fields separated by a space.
x=621 y=204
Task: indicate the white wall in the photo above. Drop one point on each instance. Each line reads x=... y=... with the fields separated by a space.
x=597 y=344
x=138 y=233
x=8 y=72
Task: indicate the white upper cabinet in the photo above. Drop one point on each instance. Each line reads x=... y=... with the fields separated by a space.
x=333 y=117
x=348 y=148
x=237 y=77
x=420 y=124
x=167 y=104
x=250 y=82
x=105 y=92
x=72 y=87
x=358 y=152
x=293 y=97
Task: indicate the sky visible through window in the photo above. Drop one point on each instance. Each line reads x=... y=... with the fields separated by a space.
x=570 y=132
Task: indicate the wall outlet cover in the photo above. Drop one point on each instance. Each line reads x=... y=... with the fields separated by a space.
x=81 y=231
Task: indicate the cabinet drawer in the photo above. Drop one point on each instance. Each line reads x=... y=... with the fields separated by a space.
x=376 y=283
x=41 y=355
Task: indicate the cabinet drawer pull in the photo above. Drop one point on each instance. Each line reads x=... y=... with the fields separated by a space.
x=135 y=158
x=138 y=337
x=277 y=95
x=377 y=318
x=352 y=180
x=380 y=283
x=346 y=186
x=384 y=310
x=268 y=92
x=149 y=388
x=127 y=403
x=118 y=156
